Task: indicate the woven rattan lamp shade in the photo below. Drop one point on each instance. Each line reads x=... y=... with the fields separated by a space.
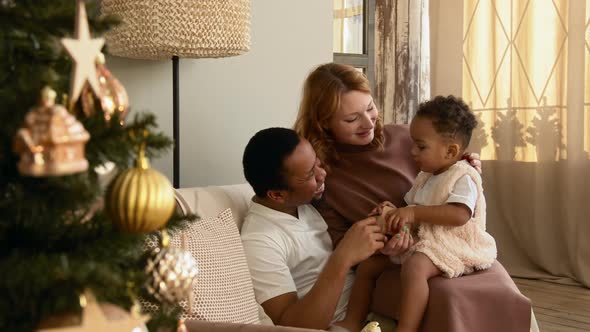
x=161 y=29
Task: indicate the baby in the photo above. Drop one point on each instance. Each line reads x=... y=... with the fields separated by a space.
x=446 y=209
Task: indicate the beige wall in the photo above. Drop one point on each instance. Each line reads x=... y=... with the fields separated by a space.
x=225 y=101
x=446 y=42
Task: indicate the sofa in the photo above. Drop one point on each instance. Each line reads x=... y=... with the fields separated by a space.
x=223 y=290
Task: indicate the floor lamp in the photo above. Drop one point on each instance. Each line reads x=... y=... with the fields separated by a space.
x=173 y=29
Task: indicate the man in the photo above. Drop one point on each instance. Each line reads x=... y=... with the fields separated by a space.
x=297 y=277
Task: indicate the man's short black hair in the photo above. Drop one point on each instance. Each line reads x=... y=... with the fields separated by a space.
x=264 y=157
x=450 y=116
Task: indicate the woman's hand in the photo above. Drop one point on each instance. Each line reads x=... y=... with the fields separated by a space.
x=398 y=244
x=378 y=210
x=474 y=160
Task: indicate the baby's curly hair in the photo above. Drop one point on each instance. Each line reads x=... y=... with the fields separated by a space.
x=450 y=116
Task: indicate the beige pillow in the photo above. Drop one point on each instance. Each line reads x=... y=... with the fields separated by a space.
x=223 y=289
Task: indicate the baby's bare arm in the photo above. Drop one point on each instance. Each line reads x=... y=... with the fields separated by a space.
x=450 y=214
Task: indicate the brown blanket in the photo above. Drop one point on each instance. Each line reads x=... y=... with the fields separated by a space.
x=483 y=301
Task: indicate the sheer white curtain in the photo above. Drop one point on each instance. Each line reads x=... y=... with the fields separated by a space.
x=526 y=74
x=348 y=23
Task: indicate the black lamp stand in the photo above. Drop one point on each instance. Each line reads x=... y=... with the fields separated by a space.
x=175 y=123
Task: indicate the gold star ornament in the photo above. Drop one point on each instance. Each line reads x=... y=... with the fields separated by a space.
x=83 y=51
x=94 y=320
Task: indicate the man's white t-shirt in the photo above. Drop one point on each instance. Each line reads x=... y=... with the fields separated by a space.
x=286 y=254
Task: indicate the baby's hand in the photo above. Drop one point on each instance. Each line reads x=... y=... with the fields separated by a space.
x=385 y=210
x=378 y=210
x=397 y=220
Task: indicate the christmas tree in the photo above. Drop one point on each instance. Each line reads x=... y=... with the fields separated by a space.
x=63 y=121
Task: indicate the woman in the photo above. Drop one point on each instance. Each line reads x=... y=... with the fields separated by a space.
x=368 y=163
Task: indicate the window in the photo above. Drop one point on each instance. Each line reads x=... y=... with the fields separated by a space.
x=354 y=35
x=524 y=80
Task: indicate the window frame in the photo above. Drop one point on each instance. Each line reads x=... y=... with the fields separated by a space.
x=366 y=61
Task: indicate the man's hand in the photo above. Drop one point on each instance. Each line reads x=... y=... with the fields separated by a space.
x=361 y=241
x=396 y=221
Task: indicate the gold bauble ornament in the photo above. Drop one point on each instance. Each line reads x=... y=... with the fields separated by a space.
x=95 y=317
x=112 y=97
x=52 y=141
x=171 y=272
x=140 y=199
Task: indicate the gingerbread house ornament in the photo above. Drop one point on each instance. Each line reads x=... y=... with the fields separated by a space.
x=52 y=141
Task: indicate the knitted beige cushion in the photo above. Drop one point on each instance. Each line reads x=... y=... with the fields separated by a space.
x=223 y=289
x=160 y=29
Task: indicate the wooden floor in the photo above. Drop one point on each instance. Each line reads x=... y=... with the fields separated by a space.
x=558 y=307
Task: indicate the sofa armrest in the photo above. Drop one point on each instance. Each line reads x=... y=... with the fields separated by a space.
x=212 y=200
x=199 y=325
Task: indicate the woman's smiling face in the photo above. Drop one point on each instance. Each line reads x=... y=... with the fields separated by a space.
x=354 y=122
